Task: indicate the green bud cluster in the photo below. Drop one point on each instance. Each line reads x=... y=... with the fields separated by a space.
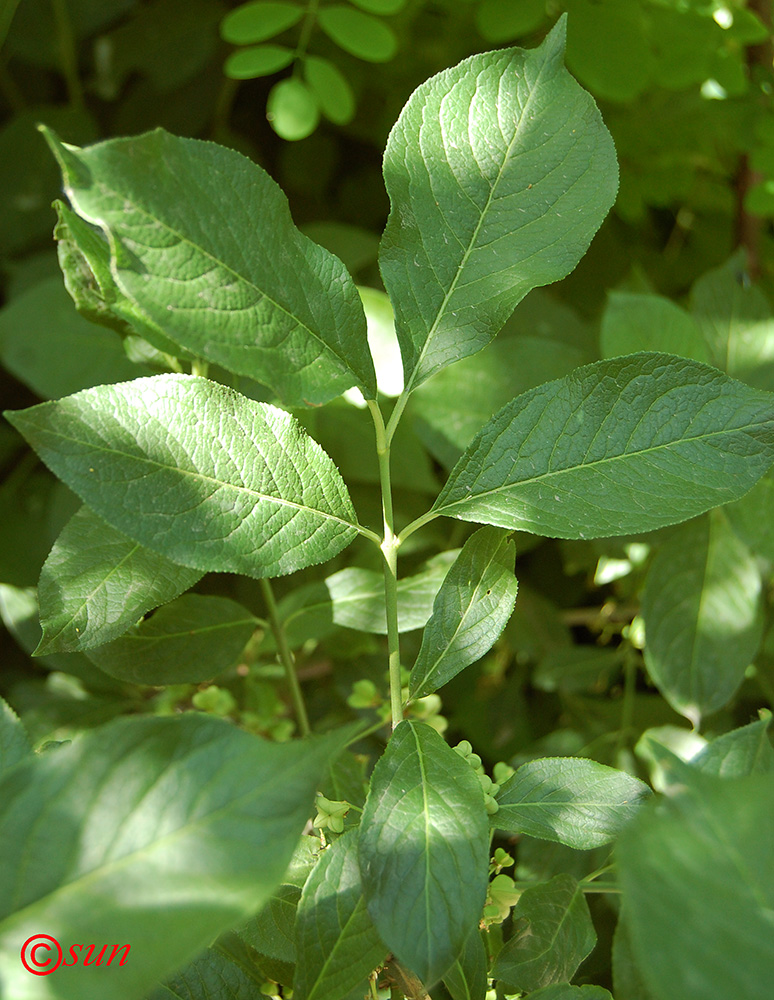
x=490 y=788
x=330 y=814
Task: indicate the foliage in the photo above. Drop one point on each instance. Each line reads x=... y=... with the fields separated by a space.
x=251 y=742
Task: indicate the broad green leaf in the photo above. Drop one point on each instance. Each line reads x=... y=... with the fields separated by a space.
x=636 y=322
x=84 y=257
x=53 y=350
x=255 y=22
x=248 y=490
x=627 y=978
x=743 y=751
x=330 y=86
x=569 y=800
x=202 y=264
x=192 y=639
x=424 y=850
x=354 y=598
x=752 y=517
x=487 y=381
x=469 y=612
x=272 y=931
x=336 y=942
x=697 y=874
x=96 y=583
x=499 y=172
x=14 y=742
x=563 y=991
x=211 y=976
x=357 y=33
x=701 y=604
x=552 y=934
x=617 y=447
x=466 y=979
x=292 y=109
x=160 y=833
x=258 y=60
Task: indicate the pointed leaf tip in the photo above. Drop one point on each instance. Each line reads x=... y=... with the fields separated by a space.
x=75 y=173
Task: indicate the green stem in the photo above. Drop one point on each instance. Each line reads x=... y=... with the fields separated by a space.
x=395 y=416
x=389 y=546
x=68 y=52
x=286 y=656
x=420 y=522
x=306 y=29
x=200 y=367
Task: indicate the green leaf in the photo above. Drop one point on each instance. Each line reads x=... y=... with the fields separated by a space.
x=255 y=22
x=636 y=322
x=336 y=941
x=481 y=214
x=501 y=20
x=292 y=109
x=698 y=879
x=618 y=447
x=380 y=6
x=466 y=979
x=248 y=490
x=53 y=350
x=469 y=612
x=552 y=934
x=357 y=33
x=424 y=850
x=741 y=752
x=627 y=978
x=701 y=604
x=608 y=48
x=96 y=583
x=577 y=669
x=752 y=517
x=195 y=638
x=195 y=244
x=563 y=991
x=159 y=833
x=14 y=742
x=330 y=87
x=569 y=800
x=211 y=976
x=258 y=60
x=272 y=931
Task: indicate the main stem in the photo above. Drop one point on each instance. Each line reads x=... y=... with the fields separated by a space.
x=389 y=547
x=286 y=656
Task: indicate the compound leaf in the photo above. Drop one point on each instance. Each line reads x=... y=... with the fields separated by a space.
x=470 y=611
x=244 y=486
x=568 y=800
x=96 y=583
x=424 y=850
x=617 y=447
x=203 y=244
x=499 y=171
x=255 y=22
x=357 y=33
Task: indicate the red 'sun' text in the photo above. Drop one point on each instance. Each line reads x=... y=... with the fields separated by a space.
x=42 y=954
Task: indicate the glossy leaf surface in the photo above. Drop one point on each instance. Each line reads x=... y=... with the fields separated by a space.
x=336 y=942
x=202 y=242
x=569 y=800
x=97 y=582
x=617 y=447
x=249 y=491
x=212 y=975
x=469 y=612
x=157 y=832
x=701 y=604
x=552 y=934
x=424 y=850
x=467 y=978
x=499 y=172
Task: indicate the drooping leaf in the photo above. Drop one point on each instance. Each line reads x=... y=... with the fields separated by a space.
x=229 y=278
x=336 y=942
x=499 y=172
x=569 y=800
x=213 y=975
x=255 y=22
x=96 y=583
x=469 y=612
x=330 y=87
x=701 y=604
x=466 y=979
x=743 y=751
x=292 y=109
x=192 y=639
x=248 y=490
x=698 y=878
x=159 y=833
x=357 y=33
x=552 y=934
x=617 y=447
x=636 y=322
x=14 y=742
x=424 y=850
